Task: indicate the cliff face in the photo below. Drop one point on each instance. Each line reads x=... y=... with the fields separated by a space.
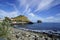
x=21 y=18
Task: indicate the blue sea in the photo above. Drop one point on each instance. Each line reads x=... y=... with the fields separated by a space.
x=41 y=26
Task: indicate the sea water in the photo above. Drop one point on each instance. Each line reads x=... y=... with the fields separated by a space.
x=41 y=26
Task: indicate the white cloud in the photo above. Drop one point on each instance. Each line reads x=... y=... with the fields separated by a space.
x=28 y=3
x=8 y=14
x=26 y=9
x=56 y=2
x=52 y=19
x=44 y=4
x=31 y=14
x=40 y=4
x=13 y=13
x=22 y=2
x=58 y=14
x=13 y=5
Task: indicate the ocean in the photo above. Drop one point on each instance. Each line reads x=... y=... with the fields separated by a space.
x=41 y=26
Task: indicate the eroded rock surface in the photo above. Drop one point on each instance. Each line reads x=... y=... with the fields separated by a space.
x=18 y=34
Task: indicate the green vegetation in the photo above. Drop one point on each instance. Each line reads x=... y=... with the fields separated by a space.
x=7 y=20
x=21 y=18
x=4 y=28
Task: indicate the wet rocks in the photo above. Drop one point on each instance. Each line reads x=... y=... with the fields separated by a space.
x=27 y=35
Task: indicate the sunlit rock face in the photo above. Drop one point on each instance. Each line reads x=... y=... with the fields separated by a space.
x=20 y=18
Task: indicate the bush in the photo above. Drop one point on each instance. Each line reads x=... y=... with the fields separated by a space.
x=5 y=29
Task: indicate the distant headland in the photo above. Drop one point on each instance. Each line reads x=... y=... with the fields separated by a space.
x=21 y=19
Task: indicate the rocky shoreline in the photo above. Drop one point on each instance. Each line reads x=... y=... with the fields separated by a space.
x=17 y=34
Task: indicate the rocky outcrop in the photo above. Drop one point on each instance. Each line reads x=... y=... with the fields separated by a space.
x=20 y=18
x=39 y=21
x=30 y=23
x=18 y=34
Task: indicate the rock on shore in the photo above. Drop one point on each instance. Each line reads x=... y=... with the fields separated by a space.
x=18 y=34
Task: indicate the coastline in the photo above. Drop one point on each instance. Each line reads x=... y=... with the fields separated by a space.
x=20 y=34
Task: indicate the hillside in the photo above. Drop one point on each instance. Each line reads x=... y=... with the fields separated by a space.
x=21 y=18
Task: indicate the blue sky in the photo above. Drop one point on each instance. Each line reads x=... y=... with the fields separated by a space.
x=45 y=10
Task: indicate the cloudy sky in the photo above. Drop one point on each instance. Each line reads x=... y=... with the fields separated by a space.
x=45 y=10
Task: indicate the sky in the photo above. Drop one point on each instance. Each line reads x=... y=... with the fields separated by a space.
x=45 y=10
